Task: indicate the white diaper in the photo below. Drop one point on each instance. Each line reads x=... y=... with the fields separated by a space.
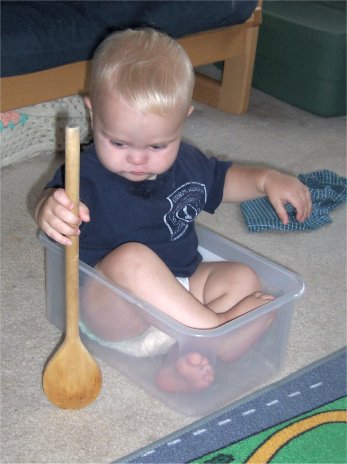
x=152 y=342
x=184 y=281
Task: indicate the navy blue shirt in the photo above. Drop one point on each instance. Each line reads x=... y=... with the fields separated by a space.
x=159 y=213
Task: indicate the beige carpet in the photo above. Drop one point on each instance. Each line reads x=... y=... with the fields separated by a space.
x=124 y=418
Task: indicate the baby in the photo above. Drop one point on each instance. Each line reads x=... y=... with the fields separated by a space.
x=141 y=189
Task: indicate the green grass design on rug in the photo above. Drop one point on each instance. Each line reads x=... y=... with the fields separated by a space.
x=324 y=443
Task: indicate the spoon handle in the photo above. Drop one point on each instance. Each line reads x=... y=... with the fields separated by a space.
x=72 y=184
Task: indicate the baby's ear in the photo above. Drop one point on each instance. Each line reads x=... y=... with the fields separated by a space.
x=88 y=104
x=191 y=109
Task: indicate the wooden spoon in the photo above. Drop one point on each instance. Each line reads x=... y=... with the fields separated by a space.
x=72 y=378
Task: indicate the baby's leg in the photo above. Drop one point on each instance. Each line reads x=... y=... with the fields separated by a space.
x=109 y=316
x=233 y=287
x=215 y=288
x=243 y=338
x=222 y=285
x=139 y=270
x=193 y=372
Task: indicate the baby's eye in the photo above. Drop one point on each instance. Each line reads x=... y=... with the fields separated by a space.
x=117 y=144
x=159 y=146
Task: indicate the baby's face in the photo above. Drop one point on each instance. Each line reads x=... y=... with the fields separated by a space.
x=135 y=145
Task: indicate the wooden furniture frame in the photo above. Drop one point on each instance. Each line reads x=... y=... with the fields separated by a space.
x=235 y=45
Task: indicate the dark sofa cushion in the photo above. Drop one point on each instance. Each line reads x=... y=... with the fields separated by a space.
x=38 y=35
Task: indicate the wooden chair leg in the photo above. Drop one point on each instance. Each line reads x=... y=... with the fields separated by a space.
x=237 y=76
x=232 y=93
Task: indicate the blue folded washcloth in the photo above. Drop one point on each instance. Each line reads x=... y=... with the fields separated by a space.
x=328 y=190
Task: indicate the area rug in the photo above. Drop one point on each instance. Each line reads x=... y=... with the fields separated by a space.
x=301 y=419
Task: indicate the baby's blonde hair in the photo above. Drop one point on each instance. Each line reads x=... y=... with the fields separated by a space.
x=147 y=68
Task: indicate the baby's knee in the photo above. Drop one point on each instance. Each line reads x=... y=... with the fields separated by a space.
x=125 y=261
x=249 y=278
x=131 y=252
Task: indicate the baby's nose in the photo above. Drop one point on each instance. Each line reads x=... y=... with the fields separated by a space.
x=137 y=157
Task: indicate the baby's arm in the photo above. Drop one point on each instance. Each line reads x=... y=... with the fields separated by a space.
x=245 y=183
x=54 y=216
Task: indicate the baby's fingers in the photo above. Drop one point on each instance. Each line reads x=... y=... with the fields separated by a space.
x=60 y=197
x=59 y=231
x=60 y=208
x=55 y=235
x=84 y=212
x=281 y=211
x=304 y=205
x=63 y=219
x=264 y=296
x=62 y=200
x=300 y=200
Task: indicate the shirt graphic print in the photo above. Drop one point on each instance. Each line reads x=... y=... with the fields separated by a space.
x=186 y=202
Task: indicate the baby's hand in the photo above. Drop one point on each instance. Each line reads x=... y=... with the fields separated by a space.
x=54 y=215
x=282 y=189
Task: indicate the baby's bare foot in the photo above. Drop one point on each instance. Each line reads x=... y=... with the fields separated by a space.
x=196 y=369
x=190 y=373
x=253 y=301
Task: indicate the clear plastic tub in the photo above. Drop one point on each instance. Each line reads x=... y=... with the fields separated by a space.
x=256 y=364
